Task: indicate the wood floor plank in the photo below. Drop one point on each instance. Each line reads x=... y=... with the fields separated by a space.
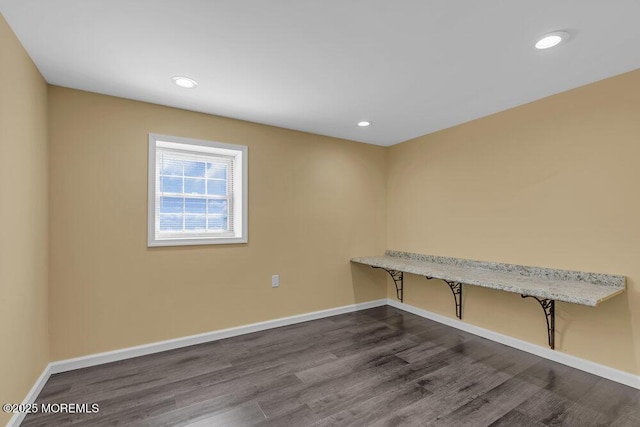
x=625 y=421
x=283 y=401
x=190 y=414
x=614 y=400
x=377 y=367
x=244 y=415
x=490 y=406
x=326 y=387
x=552 y=408
x=376 y=406
x=329 y=342
x=300 y=416
x=236 y=394
x=462 y=381
x=442 y=399
x=515 y=418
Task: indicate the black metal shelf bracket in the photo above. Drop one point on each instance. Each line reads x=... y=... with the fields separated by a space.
x=456 y=289
x=398 y=280
x=549 y=307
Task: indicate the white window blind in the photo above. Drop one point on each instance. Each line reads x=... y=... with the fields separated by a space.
x=197 y=198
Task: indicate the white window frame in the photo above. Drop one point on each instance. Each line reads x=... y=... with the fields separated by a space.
x=238 y=155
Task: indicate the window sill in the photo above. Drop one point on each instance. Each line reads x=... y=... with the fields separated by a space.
x=191 y=242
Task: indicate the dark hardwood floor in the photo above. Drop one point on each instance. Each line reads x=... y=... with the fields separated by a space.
x=371 y=368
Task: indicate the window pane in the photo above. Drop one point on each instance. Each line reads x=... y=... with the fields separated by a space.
x=194 y=222
x=170 y=185
x=171 y=167
x=217 y=187
x=195 y=205
x=194 y=186
x=217 y=170
x=171 y=204
x=217 y=222
x=217 y=207
x=170 y=222
x=196 y=169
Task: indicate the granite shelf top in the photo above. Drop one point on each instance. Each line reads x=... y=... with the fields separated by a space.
x=561 y=285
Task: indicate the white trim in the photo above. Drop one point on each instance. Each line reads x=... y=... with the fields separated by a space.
x=156 y=347
x=603 y=371
x=240 y=207
x=17 y=419
x=141 y=350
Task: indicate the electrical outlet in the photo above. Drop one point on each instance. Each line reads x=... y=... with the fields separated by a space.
x=275 y=280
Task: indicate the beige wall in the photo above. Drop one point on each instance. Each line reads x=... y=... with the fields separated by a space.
x=314 y=202
x=553 y=183
x=24 y=219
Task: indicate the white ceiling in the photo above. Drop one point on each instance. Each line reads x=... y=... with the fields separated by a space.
x=411 y=67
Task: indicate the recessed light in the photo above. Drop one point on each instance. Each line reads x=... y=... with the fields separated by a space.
x=184 y=82
x=552 y=39
x=364 y=124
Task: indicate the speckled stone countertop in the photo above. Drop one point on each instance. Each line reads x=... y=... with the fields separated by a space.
x=561 y=285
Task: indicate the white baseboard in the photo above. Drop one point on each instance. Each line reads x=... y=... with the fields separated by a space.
x=141 y=350
x=603 y=371
x=156 y=347
x=32 y=395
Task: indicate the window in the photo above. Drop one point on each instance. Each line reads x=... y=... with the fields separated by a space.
x=197 y=192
